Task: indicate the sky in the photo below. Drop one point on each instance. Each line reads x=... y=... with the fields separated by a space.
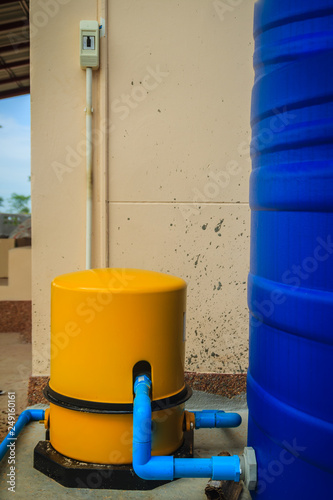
x=14 y=146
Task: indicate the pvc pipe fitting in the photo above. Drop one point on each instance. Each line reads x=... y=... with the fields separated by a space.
x=25 y=417
x=148 y=467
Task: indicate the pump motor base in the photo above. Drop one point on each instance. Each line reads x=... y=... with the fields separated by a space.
x=76 y=474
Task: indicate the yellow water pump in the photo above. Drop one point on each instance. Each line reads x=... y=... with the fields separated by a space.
x=117 y=394
x=107 y=326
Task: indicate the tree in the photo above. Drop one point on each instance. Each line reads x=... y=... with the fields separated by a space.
x=19 y=204
x=1 y=198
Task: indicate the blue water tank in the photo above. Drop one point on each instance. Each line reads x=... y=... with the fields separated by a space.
x=290 y=286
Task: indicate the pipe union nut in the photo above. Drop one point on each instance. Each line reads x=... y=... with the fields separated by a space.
x=249 y=468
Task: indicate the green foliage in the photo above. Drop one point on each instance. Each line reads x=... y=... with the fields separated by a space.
x=11 y=220
x=19 y=204
x=1 y=201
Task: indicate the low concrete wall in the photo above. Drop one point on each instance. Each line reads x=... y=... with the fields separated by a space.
x=19 y=275
x=6 y=244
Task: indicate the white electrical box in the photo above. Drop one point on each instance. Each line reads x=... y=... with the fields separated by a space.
x=89 y=44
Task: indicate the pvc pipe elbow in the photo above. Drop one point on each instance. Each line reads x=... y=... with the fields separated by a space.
x=25 y=417
x=35 y=414
x=168 y=467
x=156 y=468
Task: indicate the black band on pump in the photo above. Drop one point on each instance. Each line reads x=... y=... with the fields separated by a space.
x=120 y=408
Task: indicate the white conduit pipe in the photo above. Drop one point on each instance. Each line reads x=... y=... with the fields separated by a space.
x=89 y=111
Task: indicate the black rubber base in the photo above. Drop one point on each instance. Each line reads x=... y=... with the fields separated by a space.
x=75 y=474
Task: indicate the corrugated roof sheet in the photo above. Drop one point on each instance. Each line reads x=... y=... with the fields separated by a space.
x=14 y=48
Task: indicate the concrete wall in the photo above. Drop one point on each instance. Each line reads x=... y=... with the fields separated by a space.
x=6 y=244
x=171 y=161
x=58 y=158
x=19 y=275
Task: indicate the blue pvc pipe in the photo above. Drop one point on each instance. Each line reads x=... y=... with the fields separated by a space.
x=213 y=418
x=25 y=417
x=215 y=467
x=168 y=467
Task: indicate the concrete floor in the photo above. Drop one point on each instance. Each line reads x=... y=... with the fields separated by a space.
x=15 y=369
x=31 y=484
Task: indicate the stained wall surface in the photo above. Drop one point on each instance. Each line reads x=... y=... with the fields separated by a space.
x=171 y=159
x=179 y=99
